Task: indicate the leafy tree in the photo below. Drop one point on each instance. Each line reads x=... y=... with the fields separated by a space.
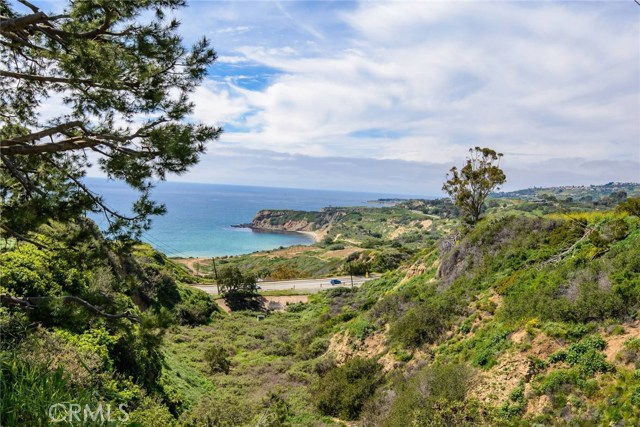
x=122 y=79
x=470 y=186
x=239 y=290
x=631 y=206
x=234 y=281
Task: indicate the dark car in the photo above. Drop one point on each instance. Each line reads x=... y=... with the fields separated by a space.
x=335 y=282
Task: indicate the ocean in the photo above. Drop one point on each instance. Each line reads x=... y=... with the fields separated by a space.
x=199 y=216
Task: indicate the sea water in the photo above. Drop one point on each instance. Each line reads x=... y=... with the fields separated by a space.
x=199 y=217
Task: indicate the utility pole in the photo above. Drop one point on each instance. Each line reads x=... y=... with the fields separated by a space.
x=351 y=273
x=215 y=271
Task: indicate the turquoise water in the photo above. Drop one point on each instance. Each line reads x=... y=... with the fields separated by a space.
x=199 y=216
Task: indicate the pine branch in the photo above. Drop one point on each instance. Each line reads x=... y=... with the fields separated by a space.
x=31 y=303
x=75 y=143
x=22 y=238
x=17 y=173
x=47 y=79
x=15 y=24
x=41 y=134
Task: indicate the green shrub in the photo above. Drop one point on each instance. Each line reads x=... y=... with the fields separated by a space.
x=516 y=405
x=343 y=391
x=435 y=396
x=609 y=233
x=631 y=206
x=30 y=271
x=622 y=405
x=296 y=307
x=388 y=259
x=587 y=355
x=151 y=413
x=285 y=272
x=279 y=348
x=28 y=390
x=630 y=353
x=316 y=348
x=402 y=355
x=15 y=327
x=195 y=306
x=562 y=379
x=275 y=411
x=97 y=341
x=137 y=351
x=218 y=411
x=217 y=359
x=483 y=348
x=357 y=267
x=360 y=328
x=339 y=291
x=424 y=323
x=444 y=413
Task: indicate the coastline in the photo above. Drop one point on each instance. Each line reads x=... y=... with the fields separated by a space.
x=314 y=235
x=190 y=262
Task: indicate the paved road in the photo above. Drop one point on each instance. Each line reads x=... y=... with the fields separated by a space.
x=304 y=285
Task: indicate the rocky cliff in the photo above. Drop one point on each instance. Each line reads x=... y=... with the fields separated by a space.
x=300 y=221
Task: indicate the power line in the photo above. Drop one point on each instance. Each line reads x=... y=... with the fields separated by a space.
x=165 y=246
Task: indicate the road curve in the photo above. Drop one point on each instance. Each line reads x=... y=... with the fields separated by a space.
x=299 y=285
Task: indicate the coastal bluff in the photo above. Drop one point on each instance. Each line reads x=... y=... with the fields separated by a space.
x=315 y=223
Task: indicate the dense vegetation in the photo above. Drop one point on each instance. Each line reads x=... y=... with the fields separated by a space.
x=525 y=319
x=82 y=323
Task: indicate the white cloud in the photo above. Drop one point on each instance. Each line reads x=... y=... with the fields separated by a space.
x=231 y=59
x=236 y=29
x=216 y=103
x=421 y=82
x=553 y=79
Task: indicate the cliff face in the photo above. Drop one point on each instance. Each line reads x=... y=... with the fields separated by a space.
x=288 y=220
x=283 y=220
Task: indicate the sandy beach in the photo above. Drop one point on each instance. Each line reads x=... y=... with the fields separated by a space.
x=313 y=234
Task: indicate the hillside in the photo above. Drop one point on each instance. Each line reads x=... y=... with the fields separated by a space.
x=522 y=321
x=530 y=318
x=586 y=193
x=83 y=320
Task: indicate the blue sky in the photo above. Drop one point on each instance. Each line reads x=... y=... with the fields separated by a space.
x=387 y=96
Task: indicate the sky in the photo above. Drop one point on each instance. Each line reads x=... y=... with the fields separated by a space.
x=387 y=96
